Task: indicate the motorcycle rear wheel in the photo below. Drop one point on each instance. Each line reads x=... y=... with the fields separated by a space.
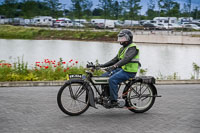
x=140 y=97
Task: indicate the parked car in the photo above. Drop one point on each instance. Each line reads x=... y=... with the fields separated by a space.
x=60 y=24
x=75 y=24
x=169 y=26
x=99 y=26
x=149 y=26
x=192 y=26
x=196 y=23
x=161 y=26
x=118 y=23
x=172 y=26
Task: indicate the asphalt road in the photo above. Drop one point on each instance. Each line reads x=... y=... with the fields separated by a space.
x=34 y=110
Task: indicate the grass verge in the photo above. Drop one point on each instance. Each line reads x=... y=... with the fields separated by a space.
x=19 y=32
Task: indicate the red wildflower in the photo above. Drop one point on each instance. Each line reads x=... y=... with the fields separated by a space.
x=76 y=62
x=54 y=65
x=46 y=61
x=63 y=62
x=68 y=68
x=46 y=67
x=65 y=70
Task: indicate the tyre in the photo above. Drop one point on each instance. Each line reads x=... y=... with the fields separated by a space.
x=140 y=97
x=73 y=98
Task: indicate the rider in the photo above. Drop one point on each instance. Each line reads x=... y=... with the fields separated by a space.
x=124 y=65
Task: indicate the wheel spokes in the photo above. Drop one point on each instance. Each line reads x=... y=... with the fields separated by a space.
x=140 y=96
x=73 y=98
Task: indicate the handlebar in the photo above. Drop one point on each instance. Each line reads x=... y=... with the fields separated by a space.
x=95 y=67
x=90 y=66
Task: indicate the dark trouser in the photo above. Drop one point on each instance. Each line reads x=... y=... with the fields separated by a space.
x=118 y=76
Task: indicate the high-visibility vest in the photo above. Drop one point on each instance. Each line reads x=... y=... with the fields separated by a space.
x=134 y=63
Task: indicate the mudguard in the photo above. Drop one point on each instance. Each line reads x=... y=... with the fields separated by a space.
x=87 y=86
x=143 y=79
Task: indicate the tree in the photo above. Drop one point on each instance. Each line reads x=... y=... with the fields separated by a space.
x=134 y=8
x=116 y=9
x=106 y=6
x=97 y=12
x=55 y=6
x=184 y=11
x=81 y=7
x=174 y=10
x=189 y=7
x=9 y=8
x=168 y=8
x=195 y=13
x=123 y=10
x=150 y=12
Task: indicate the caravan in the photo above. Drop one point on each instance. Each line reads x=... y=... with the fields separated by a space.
x=43 y=21
x=183 y=20
x=18 y=21
x=166 y=20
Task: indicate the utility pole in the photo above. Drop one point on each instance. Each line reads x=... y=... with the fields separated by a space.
x=189 y=6
x=159 y=7
x=64 y=9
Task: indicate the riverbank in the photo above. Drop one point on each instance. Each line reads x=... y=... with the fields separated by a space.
x=35 y=33
x=167 y=39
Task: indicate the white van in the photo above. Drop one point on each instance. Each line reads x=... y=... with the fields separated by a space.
x=103 y=23
x=109 y=24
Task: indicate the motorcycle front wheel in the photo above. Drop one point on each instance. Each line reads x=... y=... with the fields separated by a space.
x=73 y=98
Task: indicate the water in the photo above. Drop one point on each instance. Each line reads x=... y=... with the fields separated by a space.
x=157 y=58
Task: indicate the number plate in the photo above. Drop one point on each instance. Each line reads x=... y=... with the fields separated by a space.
x=74 y=76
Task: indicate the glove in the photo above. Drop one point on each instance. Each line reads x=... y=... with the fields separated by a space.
x=111 y=68
x=99 y=65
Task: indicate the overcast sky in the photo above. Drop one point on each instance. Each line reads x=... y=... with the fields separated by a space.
x=143 y=3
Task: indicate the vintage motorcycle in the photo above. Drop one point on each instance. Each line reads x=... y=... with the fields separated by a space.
x=77 y=94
